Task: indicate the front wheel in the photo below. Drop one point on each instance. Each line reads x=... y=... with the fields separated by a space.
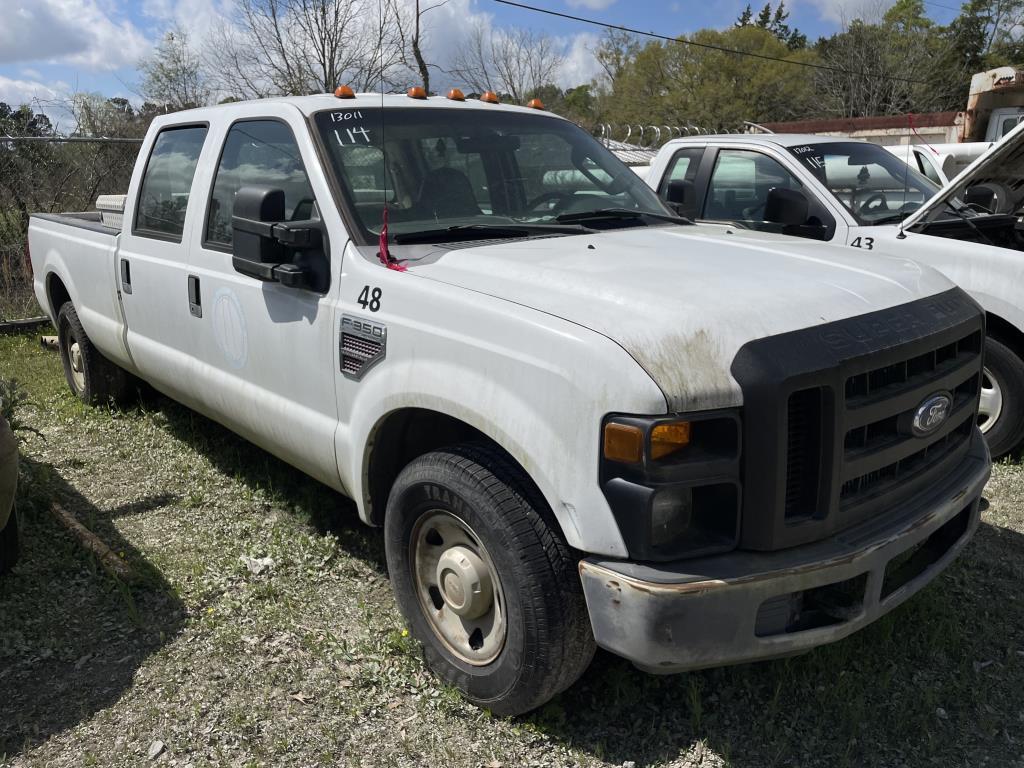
x=1001 y=413
x=484 y=579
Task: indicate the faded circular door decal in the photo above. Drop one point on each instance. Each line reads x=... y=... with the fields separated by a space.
x=229 y=328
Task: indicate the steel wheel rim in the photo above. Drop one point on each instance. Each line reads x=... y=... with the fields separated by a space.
x=77 y=365
x=991 y=404
x=448 y=558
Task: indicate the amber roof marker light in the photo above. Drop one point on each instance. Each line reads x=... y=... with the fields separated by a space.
x=490 y=97
x=456 y=95
x=535 y=104
x=344 y=92
x=417 y=92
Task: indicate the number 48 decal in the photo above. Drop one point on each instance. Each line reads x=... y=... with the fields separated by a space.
x=867 y=243
x=369 y=299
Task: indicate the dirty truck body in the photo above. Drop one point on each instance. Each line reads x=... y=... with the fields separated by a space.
x=577 y=419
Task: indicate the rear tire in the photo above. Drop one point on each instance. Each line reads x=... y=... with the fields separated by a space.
x=472 y=507
x=1002 y=399
x=92 y=378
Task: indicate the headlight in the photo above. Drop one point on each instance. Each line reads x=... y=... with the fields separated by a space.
x=673 y=482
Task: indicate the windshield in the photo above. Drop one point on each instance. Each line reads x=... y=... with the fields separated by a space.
x=874 y=185
x=511 y=173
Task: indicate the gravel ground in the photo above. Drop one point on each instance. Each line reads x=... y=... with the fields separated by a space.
x=260 y=630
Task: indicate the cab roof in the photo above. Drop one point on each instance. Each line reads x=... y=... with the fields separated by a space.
x=309 y=105
x=781 y=139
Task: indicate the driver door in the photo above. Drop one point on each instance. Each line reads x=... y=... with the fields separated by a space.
x=266 y=349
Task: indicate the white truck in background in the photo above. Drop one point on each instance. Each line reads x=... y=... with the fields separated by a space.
x=579 y=419
x=858 y=195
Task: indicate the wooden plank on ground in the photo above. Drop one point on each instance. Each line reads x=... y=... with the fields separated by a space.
x=93 y=543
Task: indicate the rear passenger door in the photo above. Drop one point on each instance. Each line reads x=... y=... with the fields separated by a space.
x=266 y=350
x=152 y=259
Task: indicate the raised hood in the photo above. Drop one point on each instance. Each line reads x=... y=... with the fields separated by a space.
x=683 y=300
x=974 y=173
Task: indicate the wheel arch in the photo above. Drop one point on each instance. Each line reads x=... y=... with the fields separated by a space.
x=405 y=434
x=57 y=293
x=1008 y=333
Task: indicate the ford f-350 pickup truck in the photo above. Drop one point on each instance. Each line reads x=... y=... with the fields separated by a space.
x=579 y=419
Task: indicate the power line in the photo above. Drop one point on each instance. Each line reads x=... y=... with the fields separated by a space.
x=708 y=46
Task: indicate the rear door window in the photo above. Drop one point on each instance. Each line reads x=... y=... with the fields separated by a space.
x=167 y=182
x=257 y=153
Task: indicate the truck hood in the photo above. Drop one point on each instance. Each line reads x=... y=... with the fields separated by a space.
x=975 y=173
x=682 y=300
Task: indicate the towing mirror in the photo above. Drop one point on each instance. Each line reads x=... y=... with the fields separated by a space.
x=786 y=206
x=267 y=246
x=681 y=194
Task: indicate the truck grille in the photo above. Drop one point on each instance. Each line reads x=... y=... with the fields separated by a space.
x=828 y=416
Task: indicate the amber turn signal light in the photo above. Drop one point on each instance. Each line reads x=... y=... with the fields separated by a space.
x=623 y=442
x=456 y=95
x=667 y=439
x=490 y=97
x=344 y=92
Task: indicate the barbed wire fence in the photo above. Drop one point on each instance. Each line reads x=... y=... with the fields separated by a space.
x=50 y=174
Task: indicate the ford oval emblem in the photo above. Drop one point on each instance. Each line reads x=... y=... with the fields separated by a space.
x=931 y=414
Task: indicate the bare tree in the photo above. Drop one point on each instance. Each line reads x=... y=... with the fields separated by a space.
x=272 y=47
x=173 y=75
x=514 y=61
x=410 y=33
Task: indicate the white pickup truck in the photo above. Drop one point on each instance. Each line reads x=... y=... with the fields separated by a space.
x=859 y=195
x=578 y=418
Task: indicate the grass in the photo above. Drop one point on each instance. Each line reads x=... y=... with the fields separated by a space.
x=307 y=663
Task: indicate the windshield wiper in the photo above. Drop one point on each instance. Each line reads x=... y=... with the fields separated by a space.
x=620 y=213
x=459 y=232
x=966 y=220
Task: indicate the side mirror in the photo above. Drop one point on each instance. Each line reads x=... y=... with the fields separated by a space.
x=266 y=246
x=680 y=192
x=256 y=209
x=682 y=196
x=786 y=206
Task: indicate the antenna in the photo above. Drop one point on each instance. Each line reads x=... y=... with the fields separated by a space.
x=383 y=253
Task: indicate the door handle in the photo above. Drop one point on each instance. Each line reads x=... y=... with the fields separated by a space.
x=126 y=276
x=195 y=297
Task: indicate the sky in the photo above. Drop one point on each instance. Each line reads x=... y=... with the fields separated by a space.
x=51 y=48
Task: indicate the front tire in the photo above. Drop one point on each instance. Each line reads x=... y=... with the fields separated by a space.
x=91 y=377
x=484 y=579
x=1001 y=415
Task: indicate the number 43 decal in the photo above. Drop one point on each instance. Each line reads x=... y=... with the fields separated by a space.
x=867 y=243
x=369 y=299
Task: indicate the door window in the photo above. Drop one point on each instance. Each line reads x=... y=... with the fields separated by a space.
x=264 y=153
x=163 y=196
x=926 y=167
x=740 y=184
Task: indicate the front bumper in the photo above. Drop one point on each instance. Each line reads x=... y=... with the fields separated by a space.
x=747 y=606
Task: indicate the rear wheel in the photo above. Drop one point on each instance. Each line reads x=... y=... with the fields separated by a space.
x=484 y=579
x=94 y=379
x=1001 y=412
